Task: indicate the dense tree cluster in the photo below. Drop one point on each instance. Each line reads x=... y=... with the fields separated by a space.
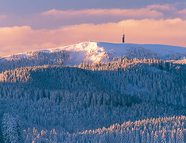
x=37 y=58
x=154 y=130
x=141 y=53
x=143 y=100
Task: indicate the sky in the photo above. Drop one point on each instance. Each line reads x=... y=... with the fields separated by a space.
x=43 y=24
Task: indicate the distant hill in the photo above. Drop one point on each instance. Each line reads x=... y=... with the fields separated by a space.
x=93 y=52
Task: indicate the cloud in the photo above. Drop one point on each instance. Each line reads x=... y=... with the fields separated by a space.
x=182 y=11
x=58 y=18
x=2 y=17
x=143 y=12
x=165 y=7
x=54 y=19
x=147 y=31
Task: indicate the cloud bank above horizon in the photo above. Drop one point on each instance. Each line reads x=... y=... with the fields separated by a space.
x=19 y=39
x=152 y=24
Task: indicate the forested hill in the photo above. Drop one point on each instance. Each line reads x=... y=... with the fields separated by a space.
x=119 y=100
x=37 y=58
x=150 y=80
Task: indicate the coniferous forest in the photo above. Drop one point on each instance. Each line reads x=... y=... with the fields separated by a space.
x=126 y=100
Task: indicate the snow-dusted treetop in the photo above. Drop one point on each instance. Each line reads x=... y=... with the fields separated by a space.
x=93 y=52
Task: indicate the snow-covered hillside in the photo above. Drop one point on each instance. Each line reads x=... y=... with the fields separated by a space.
x=93 y=52
x=127 y=99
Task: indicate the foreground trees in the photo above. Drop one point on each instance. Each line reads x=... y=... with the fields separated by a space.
x=12 y=133
x=143 y=100
x=154 y=130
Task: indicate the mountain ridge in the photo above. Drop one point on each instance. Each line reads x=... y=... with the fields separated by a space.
x=94 y=52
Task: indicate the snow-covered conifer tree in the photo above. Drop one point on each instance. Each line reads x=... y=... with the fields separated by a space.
x=9 y=129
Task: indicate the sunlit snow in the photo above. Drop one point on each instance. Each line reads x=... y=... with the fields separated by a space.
x=94 y=52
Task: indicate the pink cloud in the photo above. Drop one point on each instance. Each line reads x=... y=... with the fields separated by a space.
x=162 y=7
x=149 y=31
x=182 y=11
x=143 y=12
x=2 y=17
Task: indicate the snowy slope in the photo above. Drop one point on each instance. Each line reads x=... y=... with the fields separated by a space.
x=99 y=51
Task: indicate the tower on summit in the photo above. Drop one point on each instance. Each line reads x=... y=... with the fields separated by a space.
x=123 y=38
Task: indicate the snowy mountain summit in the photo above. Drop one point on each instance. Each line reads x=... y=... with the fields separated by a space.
x=93 y=52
